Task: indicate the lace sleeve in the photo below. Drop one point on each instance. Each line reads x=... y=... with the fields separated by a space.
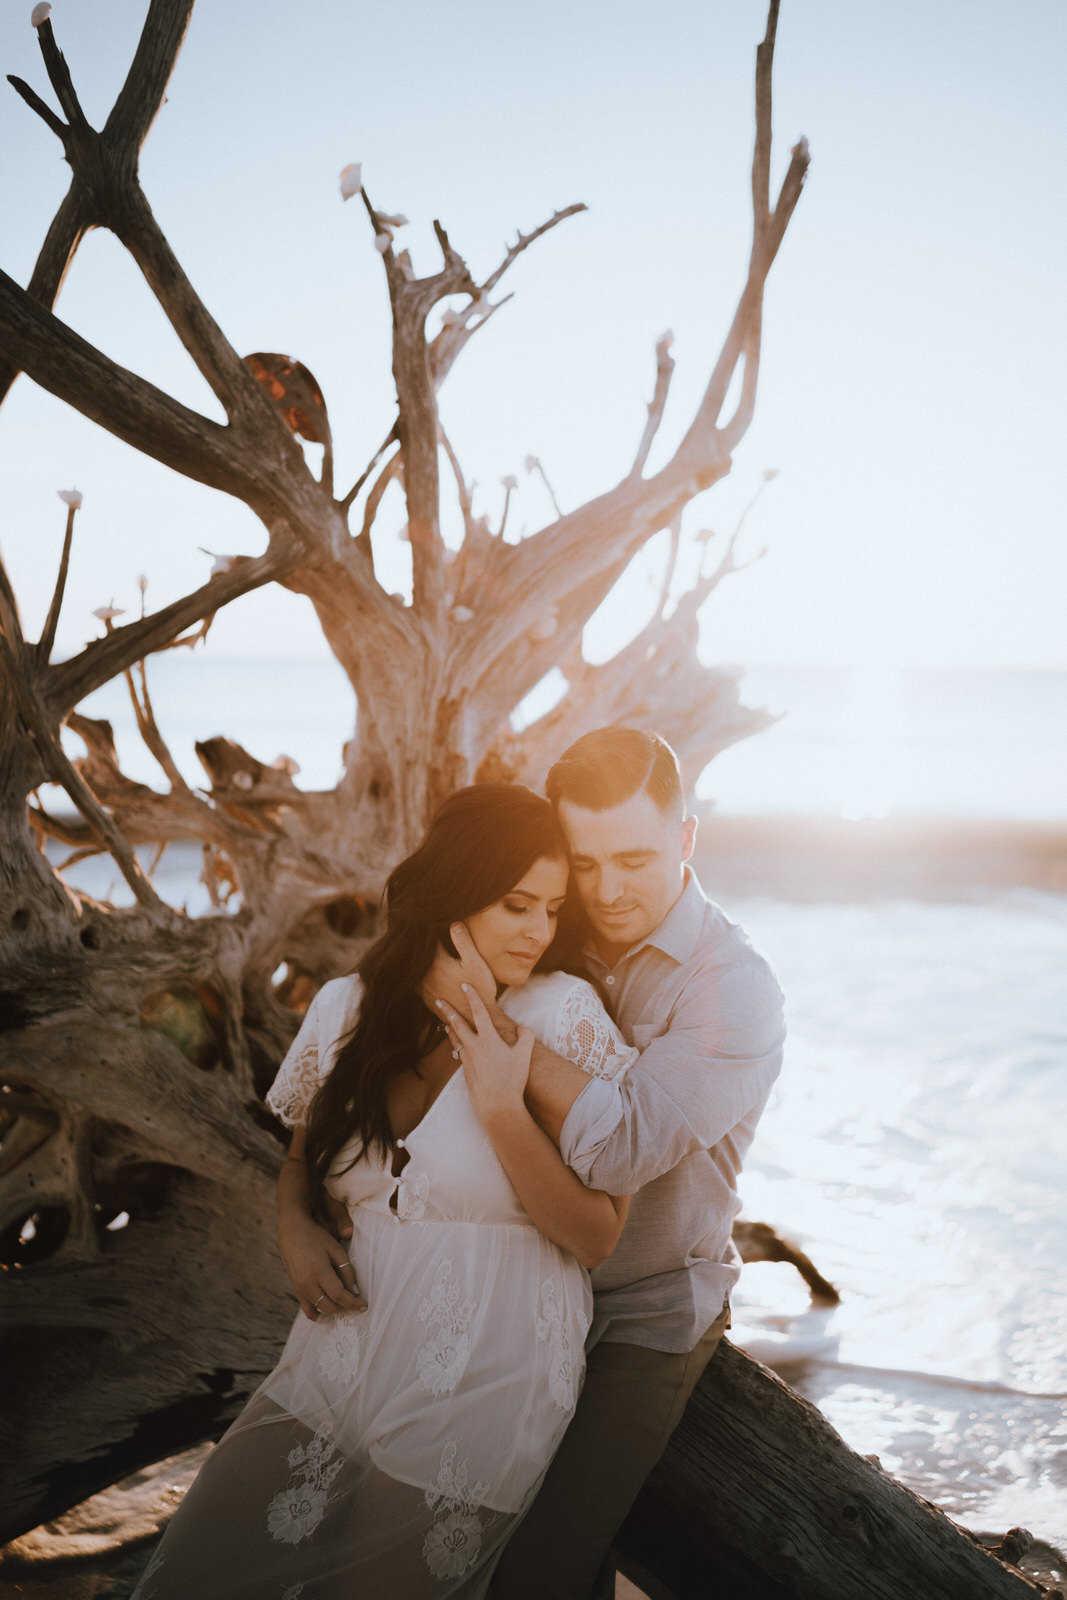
x=586 y=1035
x=307 y=1061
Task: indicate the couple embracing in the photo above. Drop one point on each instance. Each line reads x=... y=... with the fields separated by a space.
x=531 y=1102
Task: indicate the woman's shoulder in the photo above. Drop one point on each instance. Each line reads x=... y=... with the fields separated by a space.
x=547 y=993
x=338 y=998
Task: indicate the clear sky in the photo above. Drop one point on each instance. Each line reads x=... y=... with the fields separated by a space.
x=913 y=379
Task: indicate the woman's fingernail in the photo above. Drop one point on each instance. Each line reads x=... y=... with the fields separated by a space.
x=465 y=988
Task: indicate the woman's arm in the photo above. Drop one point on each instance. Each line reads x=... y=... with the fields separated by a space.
x=584 y=1221
x=313 y=1257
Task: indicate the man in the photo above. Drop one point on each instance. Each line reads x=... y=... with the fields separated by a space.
x=687 y=989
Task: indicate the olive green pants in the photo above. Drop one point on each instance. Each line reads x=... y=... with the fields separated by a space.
x=632 y=1402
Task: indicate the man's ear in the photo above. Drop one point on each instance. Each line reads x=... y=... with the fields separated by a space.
x=689 y=837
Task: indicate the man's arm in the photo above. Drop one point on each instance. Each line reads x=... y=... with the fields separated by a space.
x=689 y=1088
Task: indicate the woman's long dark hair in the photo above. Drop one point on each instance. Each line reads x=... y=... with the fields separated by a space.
x=481 y=843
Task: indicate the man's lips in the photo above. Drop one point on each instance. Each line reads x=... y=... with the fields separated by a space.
x=616 y=911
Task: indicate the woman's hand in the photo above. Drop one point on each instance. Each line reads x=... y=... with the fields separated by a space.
x=315 y=1258
x=496 y=1071
x=450 y=979
x=318 y=1266
x=584 y=1221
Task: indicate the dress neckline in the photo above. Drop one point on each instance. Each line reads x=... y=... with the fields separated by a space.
x=403 y=1140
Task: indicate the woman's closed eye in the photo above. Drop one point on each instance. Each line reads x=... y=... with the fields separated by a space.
x=521 y=910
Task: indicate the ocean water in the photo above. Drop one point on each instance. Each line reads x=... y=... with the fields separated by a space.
x=915 y=1147
x=879 y=742
x=854 y=743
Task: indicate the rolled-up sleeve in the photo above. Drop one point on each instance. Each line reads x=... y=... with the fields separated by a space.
x=716 y=1061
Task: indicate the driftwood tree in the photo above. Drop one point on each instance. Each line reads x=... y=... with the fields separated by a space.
x=137 y=1042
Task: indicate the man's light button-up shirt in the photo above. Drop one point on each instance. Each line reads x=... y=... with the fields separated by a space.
x=705 y=1010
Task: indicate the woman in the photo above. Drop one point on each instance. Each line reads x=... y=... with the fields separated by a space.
x=392 y=1449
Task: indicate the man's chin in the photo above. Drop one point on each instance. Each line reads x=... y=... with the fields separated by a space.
x=618 y=930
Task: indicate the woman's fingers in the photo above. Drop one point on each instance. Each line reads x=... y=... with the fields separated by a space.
x=478 y=1007
x=459 y=1029
x=351 y=1298
x=330 y=1290
x=337 y=1292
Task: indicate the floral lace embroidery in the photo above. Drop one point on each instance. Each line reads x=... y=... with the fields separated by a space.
x=452 y=1545
x=586 y=1035
x=411 y=1197
x=293 y=1090
x=296 y=1511
x=562 y=1376
x=338 y=1355
x=441 y=1361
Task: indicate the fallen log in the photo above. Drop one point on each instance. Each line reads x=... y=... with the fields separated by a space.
x=758 y=1498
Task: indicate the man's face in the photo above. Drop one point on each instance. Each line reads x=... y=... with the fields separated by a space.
x=627 y=864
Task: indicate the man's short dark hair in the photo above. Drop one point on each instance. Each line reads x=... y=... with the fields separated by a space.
x=608 y=766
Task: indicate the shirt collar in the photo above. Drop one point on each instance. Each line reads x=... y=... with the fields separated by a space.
x=679 y=931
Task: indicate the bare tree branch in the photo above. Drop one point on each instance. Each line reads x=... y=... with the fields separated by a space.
x=59 y=77
x=761 y=160
x=48 y=637
x=412 y=300
x=664 y=369
x=63 y=772
x=35 y=103
x=141 y=96
x=462 y=491
x=133 y=409
x=452 y=338
x=148 y=727
x=390 y=438
x=388 y=473
x=103 y=659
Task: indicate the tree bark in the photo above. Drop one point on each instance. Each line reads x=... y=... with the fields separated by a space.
x=757 y=1498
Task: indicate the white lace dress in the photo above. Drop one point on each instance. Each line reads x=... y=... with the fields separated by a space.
x=390 y=1452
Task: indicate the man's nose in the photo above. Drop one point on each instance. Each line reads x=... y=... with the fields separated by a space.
x=609 y=887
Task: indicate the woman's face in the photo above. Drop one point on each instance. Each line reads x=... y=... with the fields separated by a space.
x=513 y=933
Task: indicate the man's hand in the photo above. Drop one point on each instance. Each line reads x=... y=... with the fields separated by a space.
x=318 y=1267
x=447 y=975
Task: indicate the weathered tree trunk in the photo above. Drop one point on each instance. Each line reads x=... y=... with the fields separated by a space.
x=757 y=1498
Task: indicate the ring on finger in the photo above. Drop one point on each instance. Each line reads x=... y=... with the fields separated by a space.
x=323 y=1296
x=345 y=1264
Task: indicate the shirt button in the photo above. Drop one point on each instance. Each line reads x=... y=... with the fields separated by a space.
x=609 y=979
x=401 y=1145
